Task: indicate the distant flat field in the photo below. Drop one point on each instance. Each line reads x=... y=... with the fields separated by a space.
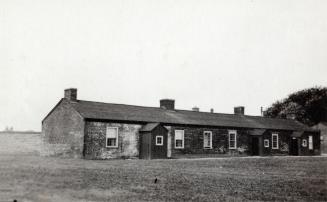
x=20 y=143
x=33 y=178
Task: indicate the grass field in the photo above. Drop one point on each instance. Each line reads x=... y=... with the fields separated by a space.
x=32 y=178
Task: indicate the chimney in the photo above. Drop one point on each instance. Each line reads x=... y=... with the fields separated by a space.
x=71 y=94
x=263 y=112
x=239 y=110
x=196 y=109
x=211 y=110
x=167 y=104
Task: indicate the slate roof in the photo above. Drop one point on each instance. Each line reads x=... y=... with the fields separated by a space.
x=149 y=127
x=257 y=132
x=320 y=126
x=122 y=112
x=297 y=133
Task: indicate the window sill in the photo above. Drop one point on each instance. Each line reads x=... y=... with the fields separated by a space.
x=111 y=147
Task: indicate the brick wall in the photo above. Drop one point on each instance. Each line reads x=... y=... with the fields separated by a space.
x=193 y=137
x=63 y=132
x=283 y=143
x=316 y=144
x=323 y=132
x=95 y=141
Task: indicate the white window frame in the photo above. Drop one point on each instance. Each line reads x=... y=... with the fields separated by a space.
x=266 y=143
x=272 y=141
x=210 y=136
x=234 y=132
x=162 y=139
x=310 y=142
x=304 y=143
x=179 y=147
x=115 y=146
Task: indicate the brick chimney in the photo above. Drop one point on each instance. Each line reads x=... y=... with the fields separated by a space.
x=167 y=104
x=239 y=110
x=71 y=94
x=196 y=109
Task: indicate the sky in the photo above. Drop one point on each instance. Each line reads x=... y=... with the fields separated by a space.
x=209 y=54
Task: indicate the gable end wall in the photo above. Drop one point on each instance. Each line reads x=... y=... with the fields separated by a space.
x=63 y=132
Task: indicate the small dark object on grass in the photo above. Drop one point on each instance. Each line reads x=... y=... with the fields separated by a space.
x=15 y=200
x=155 y=180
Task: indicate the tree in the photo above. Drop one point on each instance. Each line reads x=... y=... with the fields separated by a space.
x=308 y=106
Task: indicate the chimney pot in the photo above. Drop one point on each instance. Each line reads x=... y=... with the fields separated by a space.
x=239 y=110
x=211 y=110
x=71 y=94
x=167 y=104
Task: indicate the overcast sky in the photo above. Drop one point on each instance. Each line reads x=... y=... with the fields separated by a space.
x=210 y=54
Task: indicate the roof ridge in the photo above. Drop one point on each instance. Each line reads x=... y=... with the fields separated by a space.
x=252 y=116
x=118 y=104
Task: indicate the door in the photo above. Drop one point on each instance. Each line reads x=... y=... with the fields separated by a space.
x=255 y=146
x=159 y=143
x=294 y=147
x=145 y=151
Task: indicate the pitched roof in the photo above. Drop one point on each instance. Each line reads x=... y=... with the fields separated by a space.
x=297 y=133
x=320 y=126
x=149 y=127
x=257 y=132
x=122 y=112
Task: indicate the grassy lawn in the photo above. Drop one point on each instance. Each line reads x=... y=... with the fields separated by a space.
x=32 y=178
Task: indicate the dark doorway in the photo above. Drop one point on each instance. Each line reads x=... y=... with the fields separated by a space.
x=255 y=146
x=294 y=147
x=145 y=149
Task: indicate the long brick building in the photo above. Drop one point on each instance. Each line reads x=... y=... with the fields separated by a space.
x=95 y=130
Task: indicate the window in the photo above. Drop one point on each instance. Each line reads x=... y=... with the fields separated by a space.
x=310 y=143
x=179 y=139
x=207 y=139
x=274 y=141
x=159 y=140
x=232 y=139
x=112 y=137
x=304 y=143
x=266 y=143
